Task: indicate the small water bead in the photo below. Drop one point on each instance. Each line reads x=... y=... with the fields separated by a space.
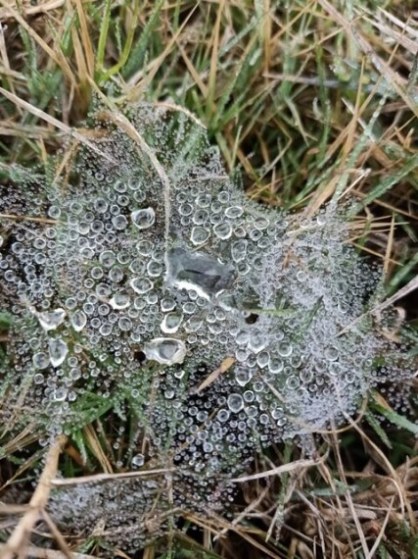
x=203 y=200
x=40 y=360
x=332 y=353
x=285 y=349
x=185 y=209
x=144 y=218
x=154 y=269
x=239 y=250
x=199 y=235
x=275 y=365
x=241 y=355
x=189 y=308
x=125 y=324
x=243 y=376
x=51 y=320
x=107 y=258
x=116 y=274
x=59 y=394
x=138 y=460
x=144 y=248
x=167 y=304
x=58 y=351
x=119 y=222
x=152 y=298
x=54 y=212
x=105 y=330
x=223 y=415
x=257 y=342
x=96 y=273
x=78 y=320
x=141 y=285
x=166 y=351
x=255 y=235
x=171 y=322
x=235 y=402
x=223 y=230
x=120 y=300
x=263 y=359
x=292 y=382
x=234 y=212
x=200 y=217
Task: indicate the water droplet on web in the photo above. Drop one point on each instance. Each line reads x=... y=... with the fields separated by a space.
x=154 y=269
x=138 y=460
x=120 y=300
x=59 y=394
x=234 y=212
x=143 y=219
x=199 y=235
x=198 y=271
x=263 y=359
x=120 y=222
x=285 y=349
x=51 y=320
x=275 y=365
x=125 y=324
x=223 y=415
x=38 y=378
x=257 y=342
x=235 y=402
x=78 y=320
x=141 y=285
x=40 y=360
x=331 y=353
x=239 y=250
x=171 y=322
x=243 y=376
x=166 y=351
x=167 y=304
x=223 y=230
x=58 y=350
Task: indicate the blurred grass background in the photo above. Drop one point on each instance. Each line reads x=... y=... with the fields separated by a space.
x=306 y=100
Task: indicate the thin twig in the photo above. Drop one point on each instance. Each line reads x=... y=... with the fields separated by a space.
x=296 y=465
x=107 y=477
x=41 y=553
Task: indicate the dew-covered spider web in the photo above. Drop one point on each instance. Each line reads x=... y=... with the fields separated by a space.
x=138 y=275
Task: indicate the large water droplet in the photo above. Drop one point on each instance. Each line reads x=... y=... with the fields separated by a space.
x=197 y=271
x=166 y=351
x=51 y=320
x=58 y=350
x=143 y=219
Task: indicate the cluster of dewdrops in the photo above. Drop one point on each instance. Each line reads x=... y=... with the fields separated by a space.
x=143 y=278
